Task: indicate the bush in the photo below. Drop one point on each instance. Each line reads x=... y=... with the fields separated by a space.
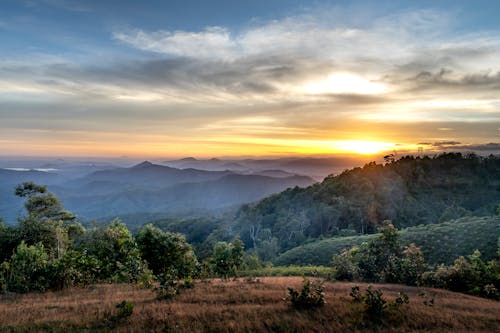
x=227 y=258
x=310 y=296
x=343 y=266
x=170 y=287
x=166 y=252
x=468 y=275
x=28 y=269
x=124 y=312
x=375 y=303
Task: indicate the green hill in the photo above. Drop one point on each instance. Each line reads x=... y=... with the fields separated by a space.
x=440 y=243
x=410 y=191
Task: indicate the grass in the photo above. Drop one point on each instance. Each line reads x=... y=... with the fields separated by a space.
x=311 y=271
x=242 y=305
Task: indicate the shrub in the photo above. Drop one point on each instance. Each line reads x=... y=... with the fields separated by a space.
x=125 y=310
x=310 y=296
x=343 y=266
x=28 y=269
x=356 y=294
x=375 y=303
x=227 y=258
x=166 y=252
x=170 y=287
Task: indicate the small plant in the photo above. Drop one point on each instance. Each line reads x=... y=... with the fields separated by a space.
x=401 y=299
x=356 y=294
x=310 y=296
x=170 y=287
x=375 y=303
x=125 y=310
x=428 y=301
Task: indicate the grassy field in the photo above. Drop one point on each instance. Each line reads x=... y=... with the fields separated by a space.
x=243 y=305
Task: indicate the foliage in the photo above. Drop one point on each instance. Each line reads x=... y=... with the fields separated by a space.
x=382 y=259
x=166 y=252
x=344 y=267
x=310 y=296
x=124 y=312
x=227 y=258
x=439 y=243
x=311 y=271
x=375 y=303
x=116 y=250
x=42 y=205
x=468 y=275
x=29 y=269
x=411 y=191
x=170 y=287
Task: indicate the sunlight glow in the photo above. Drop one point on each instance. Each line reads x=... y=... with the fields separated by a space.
x=363 y=147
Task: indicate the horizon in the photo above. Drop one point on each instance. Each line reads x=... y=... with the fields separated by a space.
x=265 y=79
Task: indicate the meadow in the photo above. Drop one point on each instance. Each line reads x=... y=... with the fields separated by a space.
x=242 y=305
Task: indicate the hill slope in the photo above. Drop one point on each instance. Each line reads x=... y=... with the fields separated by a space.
x=440 y=243
x=243 y=306
x=410 y=192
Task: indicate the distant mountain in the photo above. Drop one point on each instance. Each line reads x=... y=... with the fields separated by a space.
x=146 y=188
x=274 y=173
x=181 y=199
x=317 y=168
x=147 y=175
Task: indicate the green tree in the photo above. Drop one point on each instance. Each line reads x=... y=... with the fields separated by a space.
x=9 y=239
x=41 y=204
x=227 y=258
x=166 y=253
x=47 y=221
x=28 y=269
x=379 y=259
x=116 y=250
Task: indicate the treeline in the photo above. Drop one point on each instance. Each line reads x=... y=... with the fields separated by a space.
x=386 y=258
x=50 y=250
x=410 y=191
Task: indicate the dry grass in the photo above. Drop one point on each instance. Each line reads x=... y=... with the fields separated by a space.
x=242 y=306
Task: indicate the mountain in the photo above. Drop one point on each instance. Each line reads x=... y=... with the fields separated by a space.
x=179 y=199
x=146 y=188
x=409 y=192
x=148 y=175
x=317 y=168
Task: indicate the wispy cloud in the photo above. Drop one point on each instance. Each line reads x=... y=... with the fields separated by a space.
x=311 y=75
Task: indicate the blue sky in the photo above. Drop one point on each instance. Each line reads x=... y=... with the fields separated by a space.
x=174 y=78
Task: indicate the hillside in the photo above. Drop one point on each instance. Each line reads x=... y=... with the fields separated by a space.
x=410 y=191
x=440 y=243
x=242 y=306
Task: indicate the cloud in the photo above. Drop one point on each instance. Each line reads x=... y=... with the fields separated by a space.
x=319 y=75
x=211 y=42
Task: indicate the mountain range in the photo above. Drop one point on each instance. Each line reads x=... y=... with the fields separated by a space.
x=147 y=188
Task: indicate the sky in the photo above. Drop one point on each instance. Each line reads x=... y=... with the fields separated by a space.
x=254 y=78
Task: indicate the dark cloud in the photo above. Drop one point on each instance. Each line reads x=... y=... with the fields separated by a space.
x=492 y=146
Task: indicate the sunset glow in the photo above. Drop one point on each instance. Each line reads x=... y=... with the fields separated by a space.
x=261 y=78
x=364 y=147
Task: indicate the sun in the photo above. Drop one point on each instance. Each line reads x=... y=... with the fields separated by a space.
x=363 y=147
